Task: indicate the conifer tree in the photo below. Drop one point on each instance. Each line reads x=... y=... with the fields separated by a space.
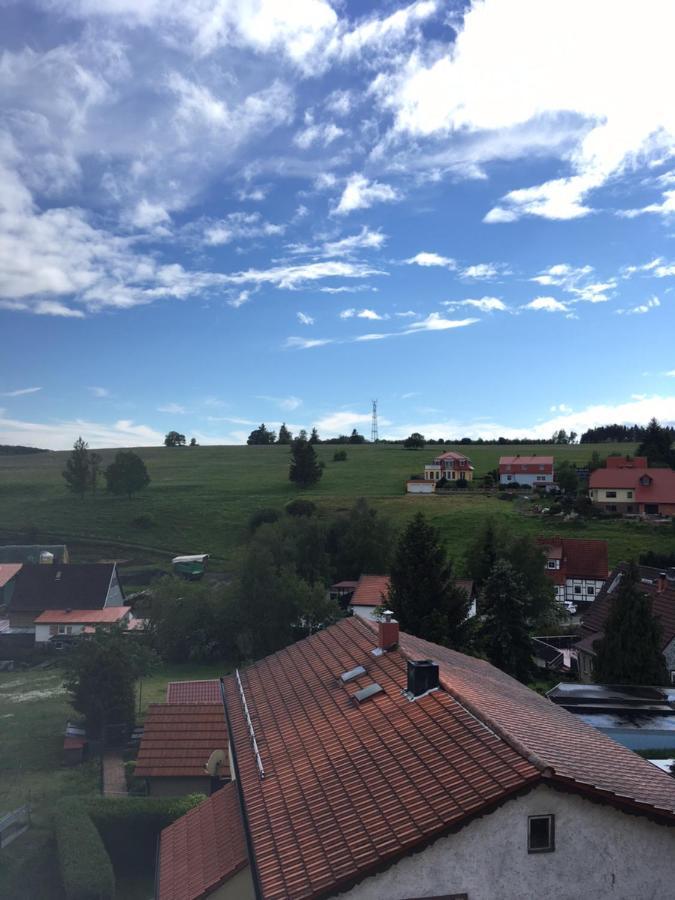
x=304 y=470
x=285 y=436
x=76 y=473
x=504 y=635
x=423 y=594
x=314 y=437
x=630 y=651
x=656 y=444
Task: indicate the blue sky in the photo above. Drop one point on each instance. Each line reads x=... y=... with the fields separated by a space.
x=218 y=213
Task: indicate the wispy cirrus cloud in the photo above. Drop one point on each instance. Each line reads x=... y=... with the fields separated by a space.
x=100 y=392
x=21 y=392
x=172 y=408
x=640 y=309
x=483 y=304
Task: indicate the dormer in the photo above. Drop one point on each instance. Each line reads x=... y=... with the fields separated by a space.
x=646 y=480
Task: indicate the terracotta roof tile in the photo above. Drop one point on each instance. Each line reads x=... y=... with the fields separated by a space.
x=661 y=488
x=82 y=616
x=179 y=738
x=203 y=848
x=579 y=558
x=8 y=571
x=193 y=691
x=371 y=590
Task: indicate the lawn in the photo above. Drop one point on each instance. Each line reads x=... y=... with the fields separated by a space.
x=201 y=498
x=153 y=688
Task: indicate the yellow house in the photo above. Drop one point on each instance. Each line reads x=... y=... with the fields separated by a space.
x=451 y=466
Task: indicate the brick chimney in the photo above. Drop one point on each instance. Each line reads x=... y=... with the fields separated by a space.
x=661 y=583
x=387 y=632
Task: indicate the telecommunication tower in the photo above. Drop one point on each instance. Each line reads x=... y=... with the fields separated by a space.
x=373 y=428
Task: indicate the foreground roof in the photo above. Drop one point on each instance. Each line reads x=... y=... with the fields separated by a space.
x=7 y=572
x=371 y=590
x=193 y=691
x=82 y=616
x=202 y=849
x=350 y=787
x=580 y=558
x=72 y=586
x=179 y=738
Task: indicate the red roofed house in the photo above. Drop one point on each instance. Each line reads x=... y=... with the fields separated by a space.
x=660 y=586
x=526 y=470
x=193 y=691
x=627 y=485
x=369 y=764
x=451 y=465
x=370 y=592
x=70 y=622
x=177 y=741
x=577 y=568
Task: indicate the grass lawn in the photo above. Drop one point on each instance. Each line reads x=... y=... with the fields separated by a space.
x=200 y=499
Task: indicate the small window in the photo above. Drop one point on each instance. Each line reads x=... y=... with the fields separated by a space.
x=590 y=589
x=540 y=834
x=610 y=494
x=62 y=629
x=629 y=494
x=672 y=676
x=577 y=589
x=611 y=507
x=551 y=564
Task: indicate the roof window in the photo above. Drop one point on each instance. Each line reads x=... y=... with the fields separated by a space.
x=369 y=691
x=352 y=674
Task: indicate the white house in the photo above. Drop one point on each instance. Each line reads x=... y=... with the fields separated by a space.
x=71 y=622
x=526 y=470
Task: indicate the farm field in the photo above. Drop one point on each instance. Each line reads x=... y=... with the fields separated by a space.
x=200 y=500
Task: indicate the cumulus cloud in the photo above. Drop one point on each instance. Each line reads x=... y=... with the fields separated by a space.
x=546 y=304
x=484 y=271
x=60 y=435
x=484 y=304
x=238 y=225
x=640 y=309
x=360 y=193
x=427 y=259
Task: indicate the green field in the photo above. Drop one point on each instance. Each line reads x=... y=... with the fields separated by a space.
x=200 y=500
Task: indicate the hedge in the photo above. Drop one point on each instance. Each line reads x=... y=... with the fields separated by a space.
x=86 y=869
x=130 y=826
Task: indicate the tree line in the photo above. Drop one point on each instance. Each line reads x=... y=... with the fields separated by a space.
x=126 y=475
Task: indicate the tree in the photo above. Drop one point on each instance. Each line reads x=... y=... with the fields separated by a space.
x=100 y=675
x=304 y=469
x=356 y=438
x=127 y=474
x=567 y=478
x=415 y=441
x=76 y=472
x=630 y=651
x=483 y=552
x=314 y=437
x=423 y=594
x=656 y=444
x=285 y=436
x=504 y=634
x=94 y=466
x=193 y=442
x=174 y=439
x=560 y=437
x=573 y=437
x=261 y=436
x=361 y=542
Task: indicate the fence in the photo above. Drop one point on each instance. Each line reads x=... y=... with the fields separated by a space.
x=14 y=824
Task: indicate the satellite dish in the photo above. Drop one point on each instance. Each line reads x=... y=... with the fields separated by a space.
x=215 y=763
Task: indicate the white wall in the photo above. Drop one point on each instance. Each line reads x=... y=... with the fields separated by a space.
x=114 y=597
x=525 y=478
x=600 y=853
x=42 y=632
x=583 y=583
x=421 y=487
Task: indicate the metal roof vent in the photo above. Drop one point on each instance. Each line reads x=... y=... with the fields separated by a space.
x=367 y=692
x=352 y=674
x=422 y=677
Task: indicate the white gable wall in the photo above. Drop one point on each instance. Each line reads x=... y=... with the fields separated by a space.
x=114 y=596
x=599 y=852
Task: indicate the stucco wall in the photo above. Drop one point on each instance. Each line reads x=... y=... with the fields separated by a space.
x=239 y=887
x=600 y=853
x=420 y=487
x=115 y=596
x=526 y=477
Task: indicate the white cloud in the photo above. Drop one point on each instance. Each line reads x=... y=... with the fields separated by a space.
x=241 y=298
x=99 y=391
x=406 y=314
x=561 y=407
x=173 y=408
x=298 y=343
x=670 y=374
x=360 y=193
x=641 y=309
x=373 y=337
x=547 y=304
x=286 y=403
x=317 y=133
x=484 y=304
x=150 y=216
x=484 y=271
x=575 y=280
x=21 y=392
x=348 y=289
x=339 y=422
x=304 y=319
x=293 y=277
x=665 y=208
x=363 y=240
x=238 y=225
x=436 y=322
x=557 y=199
x=61 y=435
x=348 y=313
x=370 y=314
x=431 y=259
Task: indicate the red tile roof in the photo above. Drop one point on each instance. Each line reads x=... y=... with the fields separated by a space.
x=526 y=460
x=8 y=571
x=663 y=604
x=203 y=848
x=661 y=489
x=82 y=616
x=579 y=558
x=193 y=691
x=371 y=590
x=179 y=738
x=344 y=584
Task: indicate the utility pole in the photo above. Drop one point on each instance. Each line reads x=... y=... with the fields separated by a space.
x=374 y=436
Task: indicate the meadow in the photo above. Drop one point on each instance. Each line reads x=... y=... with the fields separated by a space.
x=201 y=498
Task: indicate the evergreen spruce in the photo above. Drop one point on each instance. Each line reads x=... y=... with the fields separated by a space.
x=423 y=594
x=285 y=436
x=314 y=437
x=505 y=636
x=76 y=472
x=304 y=470
x=656 y=444
x=630 y=651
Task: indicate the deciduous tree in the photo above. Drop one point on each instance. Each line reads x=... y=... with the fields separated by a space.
x=261 y=435
x=415 y=441
x=361 y=542
x=174 y=439
x=127 y=474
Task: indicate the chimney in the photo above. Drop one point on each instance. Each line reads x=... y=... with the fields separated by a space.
x=422 y=677
x=387 y=632
x=661 y=582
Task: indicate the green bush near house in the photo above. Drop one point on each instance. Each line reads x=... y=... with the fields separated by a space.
x=86 y=869
x=129 y=827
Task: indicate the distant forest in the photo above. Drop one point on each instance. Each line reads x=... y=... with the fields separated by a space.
x=11 y=450
x=633 y=434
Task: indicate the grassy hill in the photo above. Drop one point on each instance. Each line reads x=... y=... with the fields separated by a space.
x=200 y=500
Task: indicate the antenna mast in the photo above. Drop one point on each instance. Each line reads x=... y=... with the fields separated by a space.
x=374 y=436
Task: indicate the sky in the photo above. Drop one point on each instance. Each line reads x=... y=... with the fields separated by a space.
x=216 y=213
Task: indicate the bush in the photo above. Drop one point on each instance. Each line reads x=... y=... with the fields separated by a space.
x=300 y=507
x=263 y=517
x=461 y=484
x=86 y=869
x=340 y=456
x=143 y=521
x=129 y=828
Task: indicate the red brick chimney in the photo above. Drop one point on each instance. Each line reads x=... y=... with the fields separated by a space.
x=661 y=583
x=387 y=632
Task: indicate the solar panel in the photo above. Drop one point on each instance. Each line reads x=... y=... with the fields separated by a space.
x=352 y=673
x=367 y=692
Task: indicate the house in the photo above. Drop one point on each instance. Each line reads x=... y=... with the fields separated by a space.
x=469 y=587
x=630 y=487
x=659 y=586
x=342 y=591
x=37 y=588
x=577 y=568
x=371 y=764
x=55 y=623
x=451 y=466
x=178 y=741
x=193 y=691
x=34 y=553
x=526 y=470
x=371 y=592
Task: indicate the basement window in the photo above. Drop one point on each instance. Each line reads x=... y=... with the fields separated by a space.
x=540 y=834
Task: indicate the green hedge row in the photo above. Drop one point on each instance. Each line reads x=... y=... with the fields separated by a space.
x=130 y=826
x=86 y=870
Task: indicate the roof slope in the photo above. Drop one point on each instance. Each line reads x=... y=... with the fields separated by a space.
x=371 y=590
x=7 y=572
x=660 y=490
x=351 y=786
x=580 y=558
x=203 y=848
x=526 y=460
x=663 y=603
x=193 y=691
x=72 y=586
x=178 y=740
x=82 y=616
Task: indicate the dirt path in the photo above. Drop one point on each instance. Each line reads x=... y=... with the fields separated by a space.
x=114 y=782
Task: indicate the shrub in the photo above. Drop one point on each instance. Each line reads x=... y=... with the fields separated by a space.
x=442 y=483
x=143 y=521
x=86 y=869
x=300 y=507
x=461 y=484
x=340 y=456
x=263 y=516
x=129 y=828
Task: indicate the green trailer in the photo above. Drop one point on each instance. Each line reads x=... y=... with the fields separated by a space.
x=191 y=567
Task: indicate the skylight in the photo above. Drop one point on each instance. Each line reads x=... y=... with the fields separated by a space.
x=352 y=674
x=367 y=692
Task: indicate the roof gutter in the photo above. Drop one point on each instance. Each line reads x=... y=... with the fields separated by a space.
x=240 y=794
